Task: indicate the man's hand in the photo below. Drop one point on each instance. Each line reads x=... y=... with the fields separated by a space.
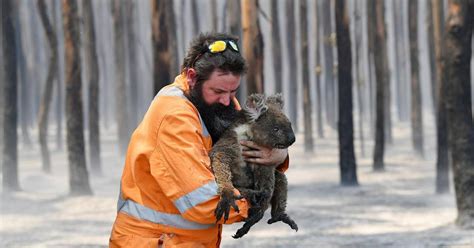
x=254 y=153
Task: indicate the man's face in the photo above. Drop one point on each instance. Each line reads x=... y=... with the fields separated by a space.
x=213 y=99
x=220 y=88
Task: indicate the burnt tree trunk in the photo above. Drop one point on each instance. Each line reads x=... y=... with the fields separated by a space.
x=194 y=14
x=252 y=46
x=133 y=64
x=458 y=106
x=396 y=65
x=347 y=161
x=442 y=161
x=59 y=82
x=431 y=52
x=78 y=177
x=93 y=69
x=380 y=60
x=328 y=37
x=292 y=67
x=370 y=6
x=318 y=70
x=214 y=20
x=172 y=38
x=358 y=73
x=387 y=96
x=48 y=86
x=9 y=94
x=234 y=18
x=276 y=47
x=120 y=87
x=402 y=83
x=416 y=114
x=234 y=26
x=27 y=92
x=307 y=110
x=160 y=42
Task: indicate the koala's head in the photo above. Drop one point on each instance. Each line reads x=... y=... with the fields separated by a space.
x=269 y=126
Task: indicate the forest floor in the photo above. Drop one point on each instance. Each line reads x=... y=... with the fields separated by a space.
x=394 y=208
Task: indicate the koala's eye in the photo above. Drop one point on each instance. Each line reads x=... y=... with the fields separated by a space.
x=276 y=129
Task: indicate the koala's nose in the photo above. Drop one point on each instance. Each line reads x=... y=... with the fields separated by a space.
x=291 y=138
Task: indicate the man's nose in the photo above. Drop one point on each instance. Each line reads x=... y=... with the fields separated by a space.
x=225 y=100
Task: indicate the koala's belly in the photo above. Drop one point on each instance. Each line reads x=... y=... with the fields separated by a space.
x=242 y=177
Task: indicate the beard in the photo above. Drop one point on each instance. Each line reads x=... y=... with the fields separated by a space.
x=217 y=117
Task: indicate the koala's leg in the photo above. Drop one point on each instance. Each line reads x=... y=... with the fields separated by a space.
x=279 y=194
x=255 y=215
x=221 y=167
x=279 y=200
x=264 y=177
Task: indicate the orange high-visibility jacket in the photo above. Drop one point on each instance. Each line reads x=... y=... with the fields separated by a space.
x=168 y=193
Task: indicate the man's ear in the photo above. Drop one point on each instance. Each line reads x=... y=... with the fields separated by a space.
x=191 y=77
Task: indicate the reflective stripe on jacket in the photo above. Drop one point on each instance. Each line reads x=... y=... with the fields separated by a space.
x=167 y=186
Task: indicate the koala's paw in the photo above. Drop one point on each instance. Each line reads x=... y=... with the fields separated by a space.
x=285 y=219
x=240 y=233
x=227 y=201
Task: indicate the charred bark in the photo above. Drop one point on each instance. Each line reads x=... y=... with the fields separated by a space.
x=234 y=22
x=329 y=42
x=252 y=46
x=442 y=161
x=93 y=69
x=416 y=113
x=380 y=59
x=318 y=70
x=160 y=43
x=120 y=87
x=195 y=16
x=78 y=176
x=347 y=162
x=358 y=74
x=276 y=47
x=48 y=86
x=307 y=110
x=458 y=106
x=9 y=91
x=292 y=68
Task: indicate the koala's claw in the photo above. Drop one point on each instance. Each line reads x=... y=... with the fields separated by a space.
x=241 y=232
x=285 y=219
x=226 y=202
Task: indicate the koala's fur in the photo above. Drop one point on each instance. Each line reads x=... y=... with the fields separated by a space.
x=262 y=121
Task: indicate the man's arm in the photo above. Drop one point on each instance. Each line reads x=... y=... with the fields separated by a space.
x=181 y=166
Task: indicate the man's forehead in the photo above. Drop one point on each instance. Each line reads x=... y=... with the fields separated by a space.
x=224 y=81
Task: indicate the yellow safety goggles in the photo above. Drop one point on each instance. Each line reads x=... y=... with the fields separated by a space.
x=219 y=46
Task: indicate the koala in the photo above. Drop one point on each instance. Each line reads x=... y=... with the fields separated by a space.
x=262 y=121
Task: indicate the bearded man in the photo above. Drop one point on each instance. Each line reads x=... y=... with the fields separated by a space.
x=168 y=192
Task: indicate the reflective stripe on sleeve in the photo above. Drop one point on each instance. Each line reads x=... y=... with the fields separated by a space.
x=175 y=220
x=199 y=195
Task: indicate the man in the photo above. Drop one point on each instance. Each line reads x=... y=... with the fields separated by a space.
x=168 y=193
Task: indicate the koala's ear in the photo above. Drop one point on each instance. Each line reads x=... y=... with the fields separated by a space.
x=255 y=105
x=275 y=100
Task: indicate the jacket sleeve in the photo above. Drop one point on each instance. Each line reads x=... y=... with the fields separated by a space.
x=181 y=166
x=284 y=166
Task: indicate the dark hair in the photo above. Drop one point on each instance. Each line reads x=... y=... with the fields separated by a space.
x=205 y=62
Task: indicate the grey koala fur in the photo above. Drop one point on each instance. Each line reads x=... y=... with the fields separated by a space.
x=262 y=121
